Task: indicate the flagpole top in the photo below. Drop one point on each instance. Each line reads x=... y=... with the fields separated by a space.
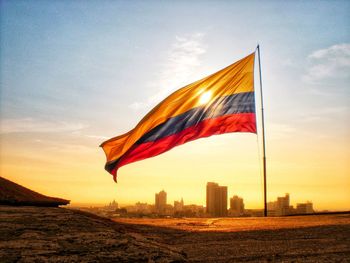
x=257 y=48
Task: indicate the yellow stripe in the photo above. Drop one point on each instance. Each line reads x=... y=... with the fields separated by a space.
x=236 y=78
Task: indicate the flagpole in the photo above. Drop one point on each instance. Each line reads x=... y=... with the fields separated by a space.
x=263 y=134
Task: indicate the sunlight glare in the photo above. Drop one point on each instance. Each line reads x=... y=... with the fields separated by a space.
x=205 y=97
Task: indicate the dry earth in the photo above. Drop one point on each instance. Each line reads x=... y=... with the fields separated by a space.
x=38 y=234
x=324 y=238
x=41 y=234
x=240 y=223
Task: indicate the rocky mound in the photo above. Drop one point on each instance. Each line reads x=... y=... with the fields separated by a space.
x=46 y=234
x=15 y=194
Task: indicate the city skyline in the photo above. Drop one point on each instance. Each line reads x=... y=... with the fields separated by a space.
x=151 y=201
x=216 y=206
x=216 y=196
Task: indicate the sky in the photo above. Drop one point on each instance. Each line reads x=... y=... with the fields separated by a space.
x=75 y=73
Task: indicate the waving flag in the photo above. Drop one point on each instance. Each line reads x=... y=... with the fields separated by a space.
x=220 y=103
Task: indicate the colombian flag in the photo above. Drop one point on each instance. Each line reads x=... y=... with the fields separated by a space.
x=220 y=103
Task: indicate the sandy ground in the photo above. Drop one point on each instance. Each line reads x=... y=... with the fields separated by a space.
x=323 y=238
x=34 y=234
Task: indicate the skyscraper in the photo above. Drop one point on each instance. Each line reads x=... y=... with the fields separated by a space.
x=211 y=197
x=160 y=202
x=216 y=199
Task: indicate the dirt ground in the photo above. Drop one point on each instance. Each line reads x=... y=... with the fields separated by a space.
x=39 y=234
x=42 y=234
x=324 y=238
x=240 y=223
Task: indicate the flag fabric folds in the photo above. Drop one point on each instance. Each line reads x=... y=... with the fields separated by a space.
x=220 y=103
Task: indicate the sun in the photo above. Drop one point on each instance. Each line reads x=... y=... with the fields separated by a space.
x=205 y=97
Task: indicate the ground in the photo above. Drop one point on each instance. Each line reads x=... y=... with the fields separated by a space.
x=38 y=234
x=42 y=234
x=321 y=238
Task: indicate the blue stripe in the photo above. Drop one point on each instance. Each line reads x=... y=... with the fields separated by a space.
x=226 y=105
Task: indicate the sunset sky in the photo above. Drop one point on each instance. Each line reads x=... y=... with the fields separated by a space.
x=75 y=73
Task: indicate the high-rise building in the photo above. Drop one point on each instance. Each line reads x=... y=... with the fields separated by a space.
x=216 y=199
x=282 y=206
x=221 y=201
x=236 y=206
x=211 y=197
x=160 y=202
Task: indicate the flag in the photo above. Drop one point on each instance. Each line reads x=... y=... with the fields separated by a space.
x=219 y=103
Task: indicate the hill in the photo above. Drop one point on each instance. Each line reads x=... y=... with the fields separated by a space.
x=15 y=194
x=50 y=234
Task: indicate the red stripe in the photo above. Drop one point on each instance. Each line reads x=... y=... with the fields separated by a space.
x=242 y=122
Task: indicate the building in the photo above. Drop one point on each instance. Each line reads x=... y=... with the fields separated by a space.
x=194 y=210
x=112 y=206
x=160 y=202
x=280 y=207
x=210 y=197
x=216 y=200
x=142 y=208
x=178 y=205
x=236 y=206
x=271 y=208
x=221 y=201
x=283 y=206
x=305 y=208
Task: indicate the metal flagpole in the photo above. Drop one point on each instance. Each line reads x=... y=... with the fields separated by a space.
x=263 y=134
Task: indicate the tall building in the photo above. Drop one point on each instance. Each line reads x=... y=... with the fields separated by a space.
x=221 y=201
x=236 y=206
x=160 y=202
x=211 y=197
x=216 y=199
x=282 y=205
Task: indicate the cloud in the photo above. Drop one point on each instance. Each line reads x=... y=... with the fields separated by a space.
x=183 y=59
x=329 y=64
x=24 y=125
